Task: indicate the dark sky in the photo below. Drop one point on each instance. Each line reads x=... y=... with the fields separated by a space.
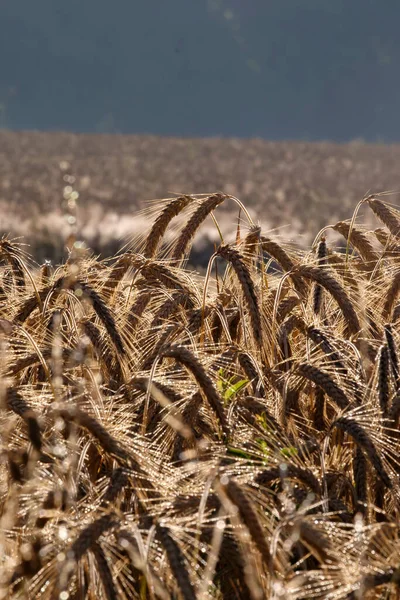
x=278 y=69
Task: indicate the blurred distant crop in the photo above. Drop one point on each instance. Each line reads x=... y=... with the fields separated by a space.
x=292 y=186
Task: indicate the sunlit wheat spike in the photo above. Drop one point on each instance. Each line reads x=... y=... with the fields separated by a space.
x=138 y=307
x=103 y=567
x=102 y=350
x=286 y=306
x=394 y=363
x=18 y=405
x=294 y=472
x=176 y=562
x=197 y=218
x=359 y=240
x=85 y=541
x=251 y=373
x=118 y=481
x=118 y=270
x=361 y=437
x=383 y=378
x=29 y=305
x=170 y=306
x=156 y=233
x=325 y=382
x=234 y=257
x=250 y=518
x=33 y=359
x=161 y=271
x=321 y=258
x=275 y=250
x=105 y=439
x=251 y=241
x=165 y=337
x=104 y=314
x=14 y=256
x=321 y=339
x=386 y=214
x=91 y=533
x=318 y=544
x=191 y=362
x=327 y=281
x=360 y=472
x=390 y=297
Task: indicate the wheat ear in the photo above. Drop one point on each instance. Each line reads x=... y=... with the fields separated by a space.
x=326 y=280
x=359 y=240
x=13 y=257
x=390 y=296
x=189 y=360
x=292 y=471
x=197 y=218
x=118 y=481
x=102 y=350
x=360 y=436
x=383 y=378
x=156 y=233
x=325 y=382
x=118 y=270
x=394 y=363
x=104 y=314
x=106 y=578
x=360 y=472
x=18 y=405
x=386 y=215
x=286 y=306
x=321 y=257
x=105 y=439
x=85 y=541
x=176 y=562
x=251 y=373
x=243 y=274
x=138 y=308
x=249 y=516
x=251 y=241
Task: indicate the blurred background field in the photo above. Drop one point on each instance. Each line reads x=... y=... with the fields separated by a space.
x=297 y=187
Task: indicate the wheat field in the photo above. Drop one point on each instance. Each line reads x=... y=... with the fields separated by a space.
x=234 y=434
